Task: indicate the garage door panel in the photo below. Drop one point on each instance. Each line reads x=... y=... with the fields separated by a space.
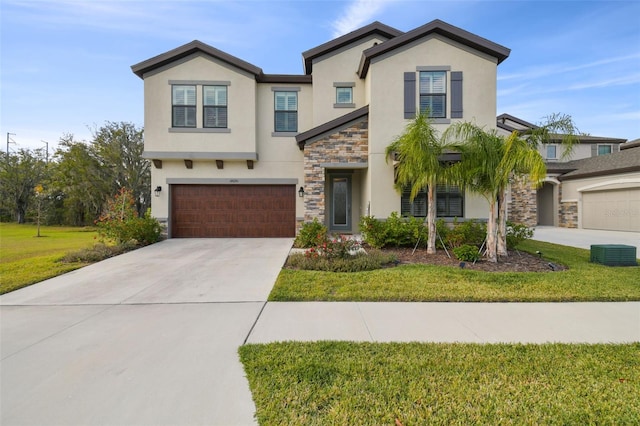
x=616 y=210
x=233 y=211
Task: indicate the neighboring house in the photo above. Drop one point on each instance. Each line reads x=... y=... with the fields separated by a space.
x=596 y=187
x=240 y=153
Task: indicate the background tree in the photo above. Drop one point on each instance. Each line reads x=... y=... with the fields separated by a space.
x=82 y=182
x=119 y=147
x=418 y=152
x=19 y=175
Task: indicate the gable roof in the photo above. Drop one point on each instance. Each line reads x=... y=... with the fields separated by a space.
x=183 y=51
x=302 y=138
x=501 y=122
x=375 y=28
x=603 y=165
x=434 y=27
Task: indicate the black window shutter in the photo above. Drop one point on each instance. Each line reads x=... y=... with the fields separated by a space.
x=456 y=94
x=594 y=150
x=409 y=94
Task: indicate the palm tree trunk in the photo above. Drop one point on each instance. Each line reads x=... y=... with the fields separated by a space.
x=431 y=219
x=491 y=232
x=502 y=223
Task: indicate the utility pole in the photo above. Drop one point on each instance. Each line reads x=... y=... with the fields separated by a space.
x=47 y=143
x=9 y=140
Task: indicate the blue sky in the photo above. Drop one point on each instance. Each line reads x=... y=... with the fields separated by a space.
x=65 y=64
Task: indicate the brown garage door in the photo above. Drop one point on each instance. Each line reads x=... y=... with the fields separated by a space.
x=247 y=211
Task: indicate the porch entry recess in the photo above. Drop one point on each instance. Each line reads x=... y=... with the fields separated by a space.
x=340 y=187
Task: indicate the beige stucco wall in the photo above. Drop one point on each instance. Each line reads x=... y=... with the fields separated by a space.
x=571 y=188
x=338 y=66
x=251 y=120
x=386 y=111
x=199 y=68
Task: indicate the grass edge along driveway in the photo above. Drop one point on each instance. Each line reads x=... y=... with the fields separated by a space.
x=26 y=259
x=443 y=383
x=583 y=281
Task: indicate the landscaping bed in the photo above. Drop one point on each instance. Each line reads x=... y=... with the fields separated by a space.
x=516 y=261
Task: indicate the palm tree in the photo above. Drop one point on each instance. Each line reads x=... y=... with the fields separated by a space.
x=418 y=151
x=488 y=162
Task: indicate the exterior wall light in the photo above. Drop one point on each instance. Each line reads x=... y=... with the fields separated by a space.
x=157 y=191
x=301 y=192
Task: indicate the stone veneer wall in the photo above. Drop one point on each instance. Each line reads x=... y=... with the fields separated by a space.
x=524 y=204
x=350 y=145
x=568 y=212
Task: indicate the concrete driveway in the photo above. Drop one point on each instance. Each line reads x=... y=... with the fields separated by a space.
x=149 y=337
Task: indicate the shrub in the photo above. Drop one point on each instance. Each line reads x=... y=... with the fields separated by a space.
x=467 y=253
x=96 y=253
x=469 y=232
x=355 y=263
x=311 y=234
x=373 y=231
x=517 y=233
x=396 y=231
x=120 y=222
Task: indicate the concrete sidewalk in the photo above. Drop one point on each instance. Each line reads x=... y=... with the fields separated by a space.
x=449 y=322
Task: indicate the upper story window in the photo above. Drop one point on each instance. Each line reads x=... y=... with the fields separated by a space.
x=183 y=101
x=552 y=152
x=344 y=95
x=604 y=149
x=215 y=106
x=286 y=111
x=433 y=93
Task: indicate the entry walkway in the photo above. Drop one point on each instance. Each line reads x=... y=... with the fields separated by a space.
x=449 y=322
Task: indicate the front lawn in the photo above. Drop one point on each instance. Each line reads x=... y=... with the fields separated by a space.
x=406 y=384
x=26 y=259
x=584 y=281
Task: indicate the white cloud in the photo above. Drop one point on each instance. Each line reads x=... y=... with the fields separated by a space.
x=357 y=14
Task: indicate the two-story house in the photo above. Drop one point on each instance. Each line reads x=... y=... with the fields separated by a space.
x=240 y=153
x=595 y=186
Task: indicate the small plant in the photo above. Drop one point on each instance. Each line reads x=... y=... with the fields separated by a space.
x=120 y=222
x=467 y=253
x=311 y=234
x=517 y=233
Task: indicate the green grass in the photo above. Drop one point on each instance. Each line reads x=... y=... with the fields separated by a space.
x=584 y=281
x=343 y=383
x=26 y=259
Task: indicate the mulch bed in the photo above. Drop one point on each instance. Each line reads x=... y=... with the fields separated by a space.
x=516 y=261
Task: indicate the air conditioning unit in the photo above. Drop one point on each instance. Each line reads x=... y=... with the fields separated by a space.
x=614 y=255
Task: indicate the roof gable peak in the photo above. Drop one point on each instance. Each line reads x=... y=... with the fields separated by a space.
x=375 y=27
x=195 y=46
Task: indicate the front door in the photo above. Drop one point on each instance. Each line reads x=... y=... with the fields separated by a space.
x=340 y=203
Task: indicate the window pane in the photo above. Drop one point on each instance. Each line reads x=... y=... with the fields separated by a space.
x=432 y=82
x=286 y=121
x=286 y=101
x=551 y=151
x=184 y=95
x=417 y=208
x=344 y=95
x=604 y=149
x=215 y=95
x=215 y=117
x=436 y=104
x=184 y=116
